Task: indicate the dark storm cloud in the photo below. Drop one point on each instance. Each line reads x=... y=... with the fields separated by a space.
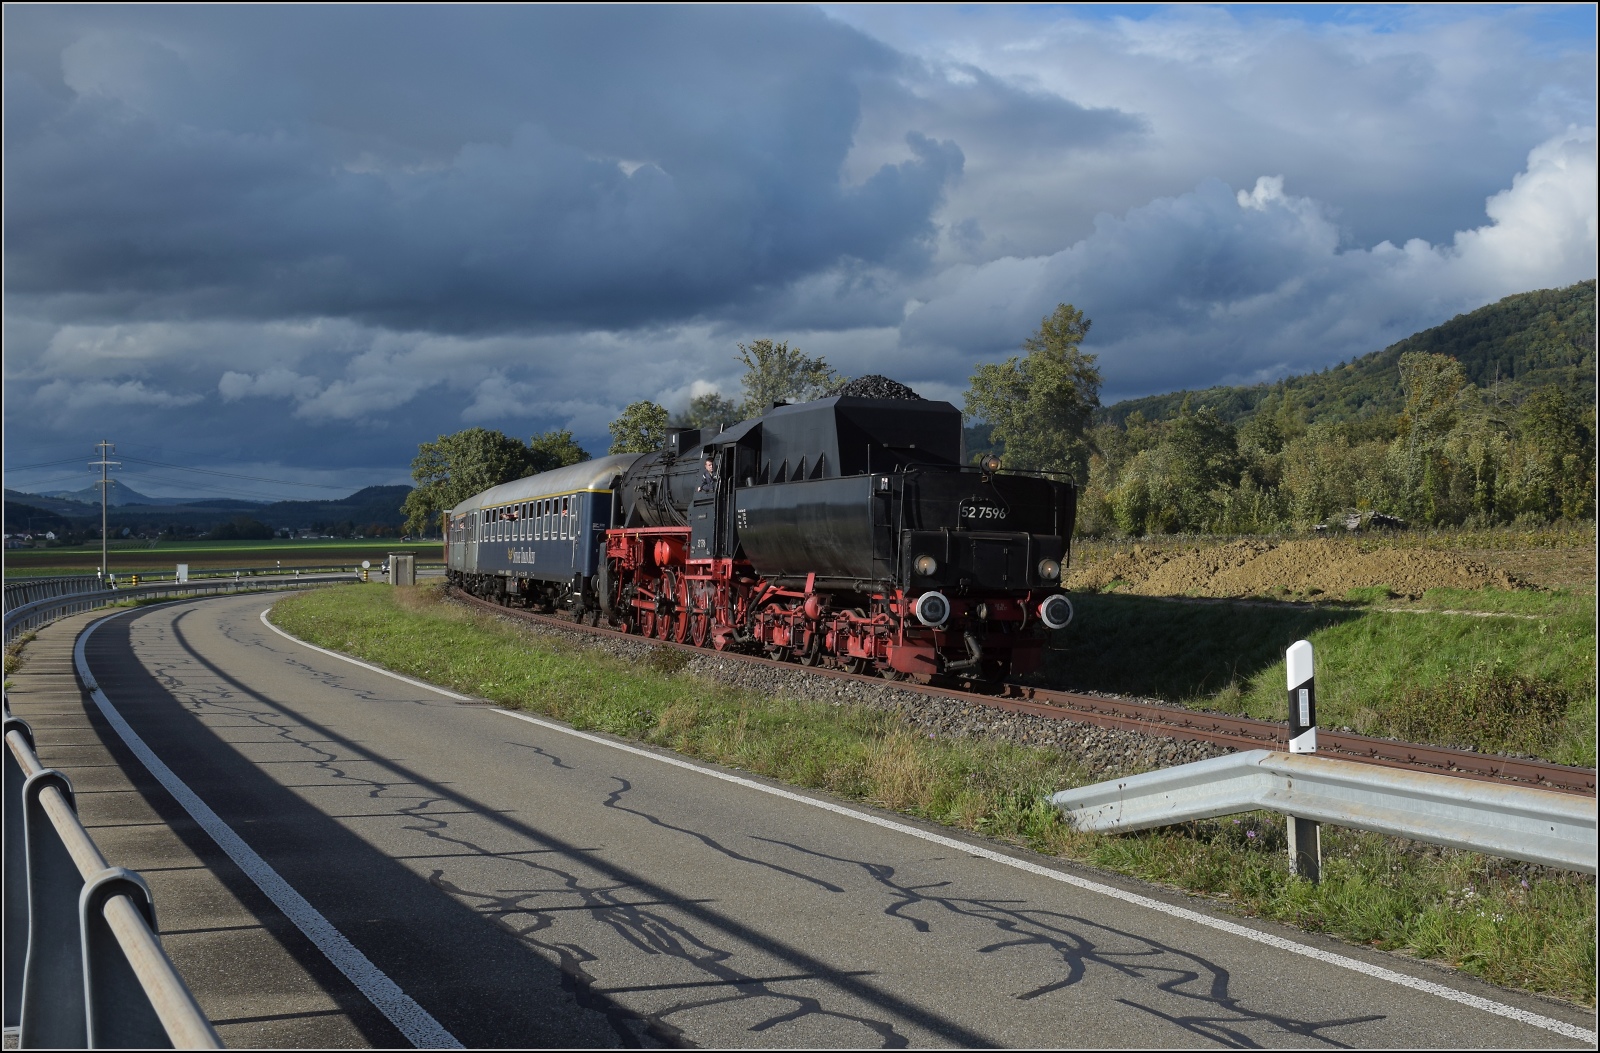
x=450 y=170
x=314 y=236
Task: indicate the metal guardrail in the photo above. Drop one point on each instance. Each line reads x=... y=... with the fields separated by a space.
x=35 y=589
x=84 y=967
x=1515 y=822
x=42 y=611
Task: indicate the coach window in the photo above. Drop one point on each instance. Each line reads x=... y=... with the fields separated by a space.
x=546 y=519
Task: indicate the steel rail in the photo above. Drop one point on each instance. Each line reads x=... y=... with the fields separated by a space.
x=1168 y=721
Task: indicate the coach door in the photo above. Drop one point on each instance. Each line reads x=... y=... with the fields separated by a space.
x=457 y=527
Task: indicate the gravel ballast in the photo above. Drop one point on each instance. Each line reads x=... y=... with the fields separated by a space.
x=1103 y=753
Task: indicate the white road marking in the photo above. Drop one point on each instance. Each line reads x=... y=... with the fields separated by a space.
x=415 y=1022
x=1327 y=957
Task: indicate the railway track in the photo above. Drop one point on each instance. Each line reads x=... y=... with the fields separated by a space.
x=1150 y=718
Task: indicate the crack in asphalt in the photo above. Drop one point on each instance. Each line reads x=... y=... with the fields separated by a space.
x=169 y=658
x=1070 y=938
x=1071 y=948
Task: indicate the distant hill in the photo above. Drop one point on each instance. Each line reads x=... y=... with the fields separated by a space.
x=54 y=505
x=122 y=494
x=20 y=518
x=372 y=505
x=1510 y=347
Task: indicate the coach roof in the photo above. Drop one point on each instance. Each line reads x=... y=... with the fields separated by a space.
x=598 y=474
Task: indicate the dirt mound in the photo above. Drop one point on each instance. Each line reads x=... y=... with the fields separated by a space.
x=1299 y=568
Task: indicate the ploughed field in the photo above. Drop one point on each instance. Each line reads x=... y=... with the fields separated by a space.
x=144 y=557
x=1395 y=567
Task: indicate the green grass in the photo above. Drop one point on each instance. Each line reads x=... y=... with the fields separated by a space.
x=1376 y=890
x=1535 y=602
x=1373 y=666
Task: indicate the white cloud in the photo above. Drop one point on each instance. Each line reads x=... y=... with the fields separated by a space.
x=64 y=396
x=272 y=383
x=1215 y=286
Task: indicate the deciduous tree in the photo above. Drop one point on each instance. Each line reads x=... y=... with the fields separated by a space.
x=457 y=466
x=1040 y=406
x=774 y=370
x=641 y=428
x=710 y=411
x=554 y=449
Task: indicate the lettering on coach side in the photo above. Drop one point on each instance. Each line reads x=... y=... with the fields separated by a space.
x=526 y=555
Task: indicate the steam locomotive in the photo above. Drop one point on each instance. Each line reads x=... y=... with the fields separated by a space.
x=845 y=531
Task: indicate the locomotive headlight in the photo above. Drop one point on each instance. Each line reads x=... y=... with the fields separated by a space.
x=925 y=565
x=932 y=609
x=1049 y=569
x=991 y=464
x=1056 y=612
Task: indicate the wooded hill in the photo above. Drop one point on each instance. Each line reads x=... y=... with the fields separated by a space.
x=1488 y=418
x=1508 y=349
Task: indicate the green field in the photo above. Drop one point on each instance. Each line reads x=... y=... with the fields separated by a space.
x=160 y=557
x=1521 y=681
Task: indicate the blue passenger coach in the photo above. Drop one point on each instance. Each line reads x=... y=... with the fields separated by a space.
x=539 y=539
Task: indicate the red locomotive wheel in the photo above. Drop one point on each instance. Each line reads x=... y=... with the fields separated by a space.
x=700 y=629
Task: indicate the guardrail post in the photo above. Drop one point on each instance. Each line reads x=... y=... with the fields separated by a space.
x=1305 y=835
x=118 y=1012
x=16 y=876
x=52 y=980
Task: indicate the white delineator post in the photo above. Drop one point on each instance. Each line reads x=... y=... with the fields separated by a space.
x=1305 y=835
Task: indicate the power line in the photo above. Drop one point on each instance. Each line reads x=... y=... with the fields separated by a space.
x=43 y=464
x=55 y=482
x=233 y=475
x=216 y=488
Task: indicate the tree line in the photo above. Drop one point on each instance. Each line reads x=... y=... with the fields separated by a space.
x=1454 y=453
x=454 y=467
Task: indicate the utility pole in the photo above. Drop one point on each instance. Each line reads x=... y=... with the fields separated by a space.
x=105 y=483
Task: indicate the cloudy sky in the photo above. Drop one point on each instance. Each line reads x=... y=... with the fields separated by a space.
x=292 y=242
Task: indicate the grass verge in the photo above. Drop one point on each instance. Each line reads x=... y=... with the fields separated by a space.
x=1501 y=684
x=1512 y=924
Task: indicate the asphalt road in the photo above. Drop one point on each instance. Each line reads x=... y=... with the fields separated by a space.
x=523 y=886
